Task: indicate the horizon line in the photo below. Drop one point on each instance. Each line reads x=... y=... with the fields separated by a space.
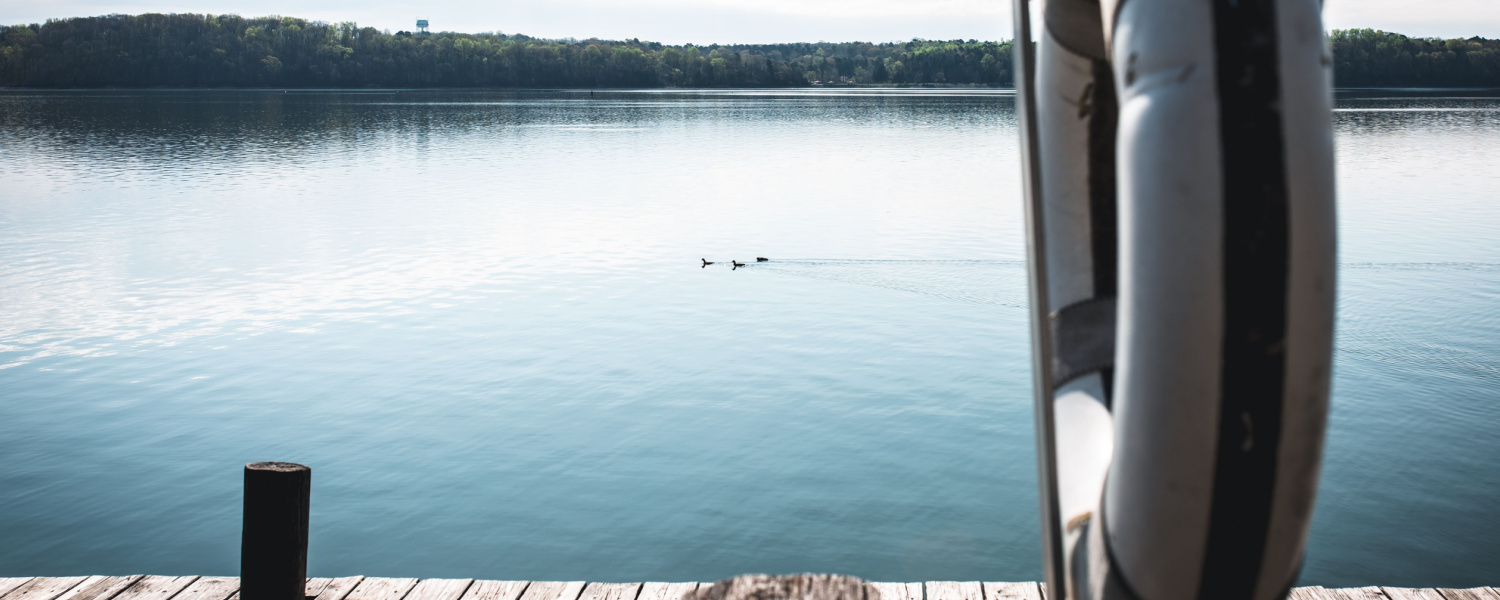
x=635 y=39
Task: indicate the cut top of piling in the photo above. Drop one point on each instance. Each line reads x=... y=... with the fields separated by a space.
x=279 y=467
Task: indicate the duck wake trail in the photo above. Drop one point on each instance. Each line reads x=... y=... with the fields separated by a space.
x=1403 y=315
x=979 y=282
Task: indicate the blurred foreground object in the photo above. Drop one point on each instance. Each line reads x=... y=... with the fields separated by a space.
x=1181 y=235
x=787 y=587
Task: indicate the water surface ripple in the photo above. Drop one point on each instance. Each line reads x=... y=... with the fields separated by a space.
x=483 y=320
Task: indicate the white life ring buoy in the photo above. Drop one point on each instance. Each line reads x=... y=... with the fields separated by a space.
x=1180 y=173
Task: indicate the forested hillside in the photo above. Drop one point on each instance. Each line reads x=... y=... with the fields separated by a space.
x=226 y=50
x=186 y=50
x=1370 y=58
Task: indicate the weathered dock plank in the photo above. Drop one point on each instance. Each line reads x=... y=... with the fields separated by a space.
x=1011 y=590
x=155 y=587
x=954 y=590
x=1364 y=593
x=315 y=586
x=1395 y=593
x=210 y=588
x=894 y=590
x=489 y=589
x=336 y=588
x=87 y=583
x=439 y=589
x=553 y=590
x=44 y=588
x=9 y=583
x=100 y=587
x=610 y=591
x=1322 y=593
x=1307 y=593
x=659 y=590
x=1469 y=594
x=1318 y=593
x=382 y=588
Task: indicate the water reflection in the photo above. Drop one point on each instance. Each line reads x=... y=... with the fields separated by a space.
x=482 y=318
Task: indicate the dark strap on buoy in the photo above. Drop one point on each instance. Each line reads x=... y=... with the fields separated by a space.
x=1083 y=339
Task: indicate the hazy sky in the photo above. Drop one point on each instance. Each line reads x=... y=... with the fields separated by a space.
x=704 y=21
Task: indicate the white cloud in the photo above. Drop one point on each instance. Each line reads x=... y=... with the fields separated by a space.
x=1436 y=18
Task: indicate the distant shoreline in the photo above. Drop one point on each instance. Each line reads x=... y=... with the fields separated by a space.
x=228 y=51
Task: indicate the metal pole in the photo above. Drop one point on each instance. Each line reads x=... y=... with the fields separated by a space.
x=1041 y=337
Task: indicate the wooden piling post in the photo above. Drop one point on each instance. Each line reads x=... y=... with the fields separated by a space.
x=273 y=545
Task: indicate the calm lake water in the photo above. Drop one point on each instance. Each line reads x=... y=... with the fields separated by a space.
x=481 y=318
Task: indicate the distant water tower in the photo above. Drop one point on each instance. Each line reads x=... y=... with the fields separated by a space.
x=422 y=27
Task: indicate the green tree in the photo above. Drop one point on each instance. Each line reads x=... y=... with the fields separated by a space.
x=1371 y=58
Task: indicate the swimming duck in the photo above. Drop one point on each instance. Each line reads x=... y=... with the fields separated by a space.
x=761 y=259
x=706 y=262
x=737 y=264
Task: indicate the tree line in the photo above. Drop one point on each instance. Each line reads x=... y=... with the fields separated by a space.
x=190 y=50
x=1370 y=58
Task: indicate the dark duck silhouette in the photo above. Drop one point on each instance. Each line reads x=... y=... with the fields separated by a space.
x=706 y=262
x=761 y=259
x=737 y=264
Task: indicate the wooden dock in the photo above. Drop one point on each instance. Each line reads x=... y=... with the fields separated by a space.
x=159 y=587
